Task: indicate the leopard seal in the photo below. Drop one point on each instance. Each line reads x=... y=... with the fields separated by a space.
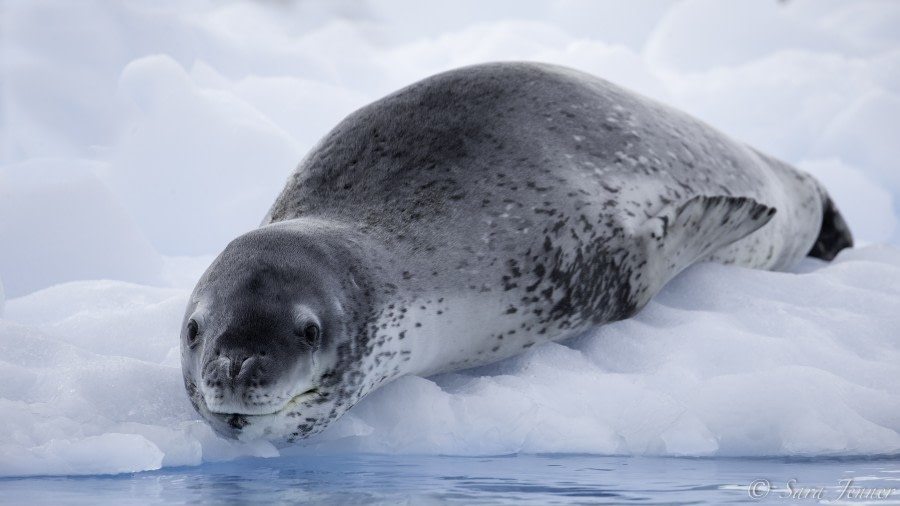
x=466 y=218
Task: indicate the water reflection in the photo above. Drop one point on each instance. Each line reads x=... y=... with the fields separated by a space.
x=523 y=479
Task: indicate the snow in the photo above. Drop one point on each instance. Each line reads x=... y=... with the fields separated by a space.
x=137 y=138
x=724 y=362
x=59 y=222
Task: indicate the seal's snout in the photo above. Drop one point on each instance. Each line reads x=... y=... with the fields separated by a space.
x=235 y=383
x=228 y=371
x=234 y=369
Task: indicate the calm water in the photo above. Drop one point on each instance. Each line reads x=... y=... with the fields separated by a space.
x=520 y=479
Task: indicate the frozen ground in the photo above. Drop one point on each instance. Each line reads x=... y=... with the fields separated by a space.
x=725 y=361
x=137 y=138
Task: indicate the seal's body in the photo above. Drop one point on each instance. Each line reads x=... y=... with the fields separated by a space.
x=466 y=218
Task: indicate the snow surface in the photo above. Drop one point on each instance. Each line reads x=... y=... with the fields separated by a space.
x=725 y=361
x=138 y=138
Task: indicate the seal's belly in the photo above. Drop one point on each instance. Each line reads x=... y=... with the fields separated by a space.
x=469 y=330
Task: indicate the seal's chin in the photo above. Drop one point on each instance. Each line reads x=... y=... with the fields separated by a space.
x=246 y=427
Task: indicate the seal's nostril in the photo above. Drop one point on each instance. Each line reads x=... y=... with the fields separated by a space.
x=235 y=365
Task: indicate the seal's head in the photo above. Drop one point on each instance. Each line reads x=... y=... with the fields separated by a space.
x=269 y=335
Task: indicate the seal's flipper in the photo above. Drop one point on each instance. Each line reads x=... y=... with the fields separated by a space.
x=683 y=233
x=834 y=235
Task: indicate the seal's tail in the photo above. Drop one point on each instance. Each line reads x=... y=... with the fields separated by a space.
x=834 y=235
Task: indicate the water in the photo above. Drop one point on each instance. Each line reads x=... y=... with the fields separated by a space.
x=519 y=479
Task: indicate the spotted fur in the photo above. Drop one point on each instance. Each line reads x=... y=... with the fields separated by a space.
x=472 y=215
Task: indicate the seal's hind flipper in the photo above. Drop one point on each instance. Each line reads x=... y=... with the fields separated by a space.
x=834 y=235
x=686 y=232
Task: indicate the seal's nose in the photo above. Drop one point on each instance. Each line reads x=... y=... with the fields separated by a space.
x=235 y=366
x=233 y=383
x=225 y=371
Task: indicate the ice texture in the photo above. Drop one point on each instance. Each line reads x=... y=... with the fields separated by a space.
x=724 y=361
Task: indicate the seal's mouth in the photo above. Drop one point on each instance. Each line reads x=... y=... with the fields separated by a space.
x=297 y=399
x=233 y=424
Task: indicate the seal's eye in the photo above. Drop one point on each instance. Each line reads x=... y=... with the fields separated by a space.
x=192 y=330
x=310 y=335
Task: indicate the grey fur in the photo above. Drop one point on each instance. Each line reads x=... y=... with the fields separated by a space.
x=465 y=218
